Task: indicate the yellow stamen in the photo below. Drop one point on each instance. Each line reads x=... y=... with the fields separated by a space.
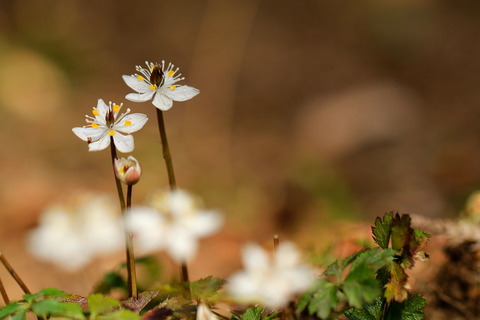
x=94 y=125
x=128 y=123
x=111 y=133
x=170 y=73
x=140 y=78
x=172 y=87
x=153 y=87
x=116 y=108
x=152 y=66
x=95 y=112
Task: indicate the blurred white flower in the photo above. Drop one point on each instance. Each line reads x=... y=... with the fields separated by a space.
x=173 y=221
x=158 y=82
x=107 y=123
x=204 y=313
x=73 y=233
x=271 y=281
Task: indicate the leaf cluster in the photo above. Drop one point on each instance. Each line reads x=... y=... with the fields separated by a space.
x=371 y=284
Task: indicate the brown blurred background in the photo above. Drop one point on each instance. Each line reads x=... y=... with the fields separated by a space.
x=310 y=111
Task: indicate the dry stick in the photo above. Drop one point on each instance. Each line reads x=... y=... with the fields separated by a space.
x=13 y=274
x=132 y=281
x=4 y=293
x=171 y=175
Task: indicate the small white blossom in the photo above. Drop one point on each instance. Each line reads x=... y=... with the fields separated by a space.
x=71 y=234
x=172 y=221
x=271 y=281
x=158 y=82
x=128 y=170
x=106 y=122
x=204 y=313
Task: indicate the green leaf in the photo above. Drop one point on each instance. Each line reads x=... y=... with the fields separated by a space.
x=395 y=288
x=371 y=311
x=120 y=315
x=47 y=307
x=410 y=309
x=110 y=281
x=324 y=300
x=206 y=287
x=12 y=308
x=258 y=313
x=382 y=230
x=47 y=292
x=100 y=304
x=374 y=258
x=22 y=315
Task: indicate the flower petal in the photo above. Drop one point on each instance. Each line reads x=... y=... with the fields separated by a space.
x=131 y=123
x=255 y=258
x=136 y=84
x=148 y=228
x=100 y=144
x=162 y=102
x=140 y=97
x=203 y=223
x=181 y=244
x=123 y=143
x=181 y=93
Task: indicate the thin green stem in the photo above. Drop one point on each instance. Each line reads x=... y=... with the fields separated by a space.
x=12 y=272
x=167 y=156
x=132 y=278
x=166 y=150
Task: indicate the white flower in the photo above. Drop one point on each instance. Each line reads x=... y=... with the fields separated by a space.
x=71 y=234
x=173 y=222
x=271 y=281
x=204 y=313
x=158 y=82
x=105 y=123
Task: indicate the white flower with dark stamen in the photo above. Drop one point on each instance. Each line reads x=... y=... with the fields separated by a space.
x=271 y=281
x=107 y=122
x=174 y=222
x=158 y=82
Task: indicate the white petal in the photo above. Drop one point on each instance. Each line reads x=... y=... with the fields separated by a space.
x=255 y=258
x=203 y=223
x=162 y=102
x=123 y=143
x=88 y=132
x=181 y=244
x=140 y=97
x=148 y=228
x=181 y=93
x=136 y=84
x=136 y=120
x=287 y=255
x=100 y=144
x=203 y=313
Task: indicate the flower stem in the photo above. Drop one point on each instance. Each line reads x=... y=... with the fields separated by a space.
x=4 y=293
x=171 y=175
x=13 y=274
x=132 y=279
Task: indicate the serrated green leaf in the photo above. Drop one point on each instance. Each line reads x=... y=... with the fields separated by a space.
x=120 y=315
x=358 y=314
x=12 y=308
x=371 y=311
x=324 y=300
x=253 y=313
x=410 y=309
x=351 y=258
x=382 y=230
x=374 y=258
x=99 y=304
x=360 y=292
x=206 y=287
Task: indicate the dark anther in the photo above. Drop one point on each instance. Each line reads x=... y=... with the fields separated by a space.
x=156 y=77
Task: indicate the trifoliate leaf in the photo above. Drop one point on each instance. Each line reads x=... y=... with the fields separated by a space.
x=99 y=304
x=382 y=230
x=324 y=300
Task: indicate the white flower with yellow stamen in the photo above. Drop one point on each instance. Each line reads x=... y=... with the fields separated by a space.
x=158 y=82
x=106 y=122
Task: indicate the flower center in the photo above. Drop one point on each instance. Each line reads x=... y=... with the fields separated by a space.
x=156 y=77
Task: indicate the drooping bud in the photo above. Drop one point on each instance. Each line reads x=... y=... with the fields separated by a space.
x=156 y=77
x=128 y=170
